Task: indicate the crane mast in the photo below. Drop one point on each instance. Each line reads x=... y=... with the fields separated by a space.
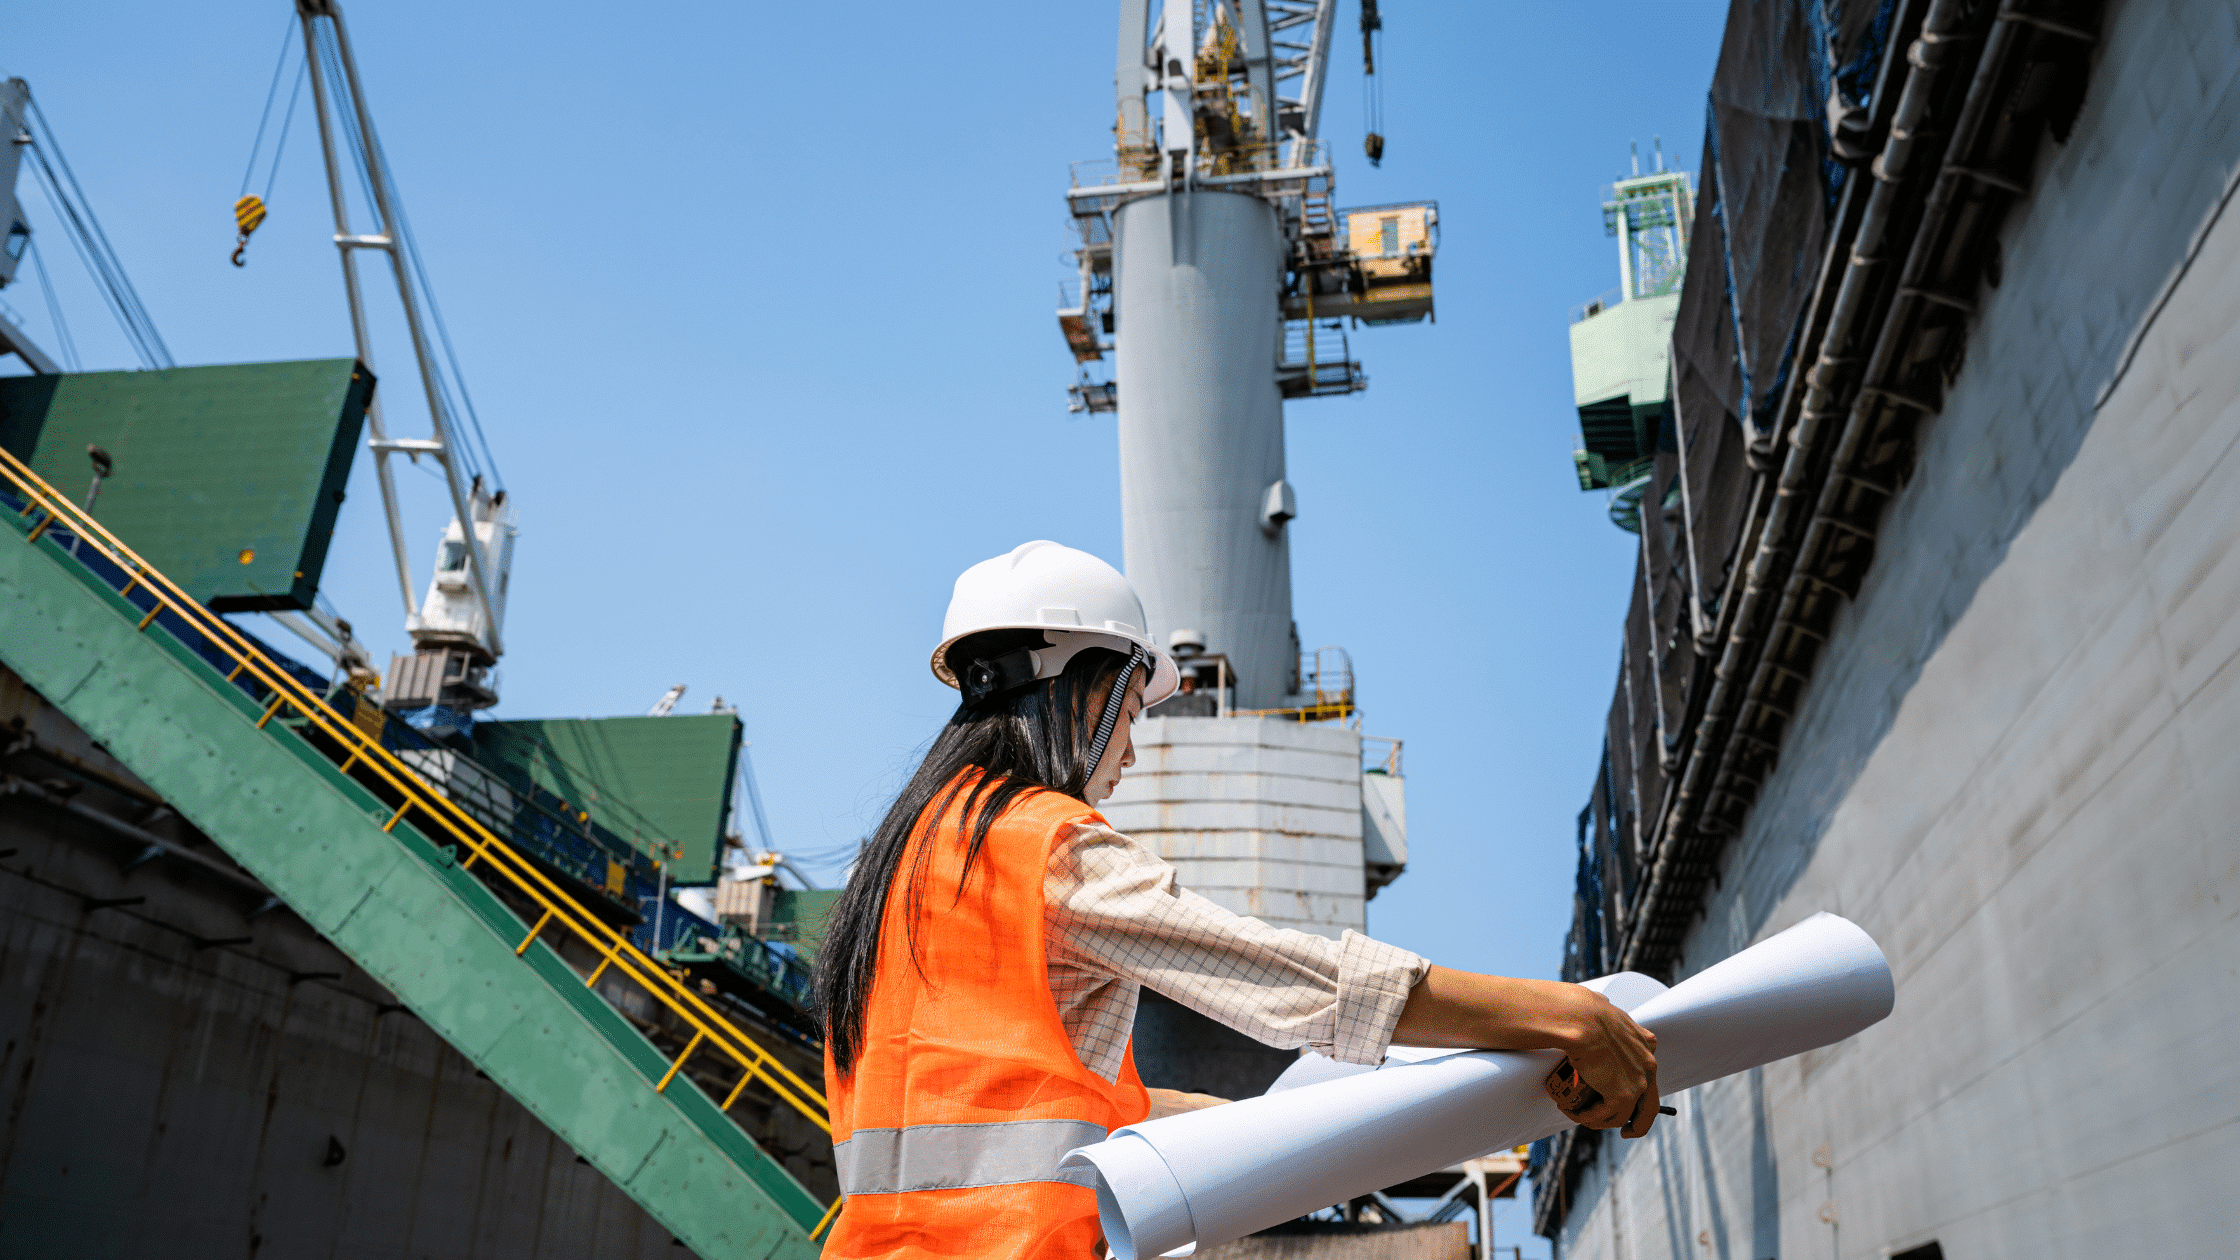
x=456 y=628
x=1218 y=196
x=1216 y=280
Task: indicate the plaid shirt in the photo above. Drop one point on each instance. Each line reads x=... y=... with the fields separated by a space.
x=1117 y=922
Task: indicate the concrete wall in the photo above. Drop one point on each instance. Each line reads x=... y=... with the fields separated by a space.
x=1258 y=815
x=170 y=1089
x=2019 y=764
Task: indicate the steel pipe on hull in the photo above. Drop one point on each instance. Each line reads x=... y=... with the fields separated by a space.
x=1896 y=329
x=1196 y=276
x=1829 y=390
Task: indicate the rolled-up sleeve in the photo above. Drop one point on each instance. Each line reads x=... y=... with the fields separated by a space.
x=1114 y=909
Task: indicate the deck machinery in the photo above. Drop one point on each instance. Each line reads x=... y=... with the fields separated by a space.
x=1218 y=278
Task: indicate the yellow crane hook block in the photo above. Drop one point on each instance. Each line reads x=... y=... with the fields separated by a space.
x=247 y=214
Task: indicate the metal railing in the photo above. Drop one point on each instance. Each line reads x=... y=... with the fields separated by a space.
x=1325 y=690
x=1144 y=164
x=1380 y=754
x=1596 y=305
x=781 y=975
x=1317 y=361
x=380 y=771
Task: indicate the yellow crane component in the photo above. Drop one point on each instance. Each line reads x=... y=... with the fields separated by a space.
x=247 y=214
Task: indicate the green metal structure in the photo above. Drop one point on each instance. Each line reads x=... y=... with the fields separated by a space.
x=1618 y=372
x=229 y=477
x=1621 y=341
x=382 y=869
x=803 y=912
x=657 y=782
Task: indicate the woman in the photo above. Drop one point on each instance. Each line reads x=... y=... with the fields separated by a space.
x=980 y=974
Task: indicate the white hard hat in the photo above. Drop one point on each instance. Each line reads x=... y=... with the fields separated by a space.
x=1075 y=599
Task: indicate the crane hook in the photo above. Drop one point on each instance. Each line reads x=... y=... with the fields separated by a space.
x=247 y=214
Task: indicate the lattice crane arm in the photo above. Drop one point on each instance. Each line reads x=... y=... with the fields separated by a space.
x=1279 y=42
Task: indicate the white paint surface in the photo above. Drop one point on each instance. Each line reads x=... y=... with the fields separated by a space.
x=1259 y=815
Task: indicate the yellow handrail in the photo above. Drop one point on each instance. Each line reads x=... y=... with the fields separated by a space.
x=431 y=806
x=829 y=1214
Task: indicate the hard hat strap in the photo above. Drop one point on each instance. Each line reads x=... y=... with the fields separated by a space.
x=1112 y=704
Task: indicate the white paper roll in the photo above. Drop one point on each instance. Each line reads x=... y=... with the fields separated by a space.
x=1166 y=1187
x=1811 y=986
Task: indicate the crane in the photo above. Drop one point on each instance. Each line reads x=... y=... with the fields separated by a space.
x=457 y=626
x=1216 y=275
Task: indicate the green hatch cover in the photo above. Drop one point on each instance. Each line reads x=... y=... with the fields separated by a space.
x=227 y=479
x=809 y=910
x=649 y=780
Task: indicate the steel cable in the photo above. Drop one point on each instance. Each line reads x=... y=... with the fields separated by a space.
x=449 y=379
x=272 y=93
x=70 y=204
x=63 y=340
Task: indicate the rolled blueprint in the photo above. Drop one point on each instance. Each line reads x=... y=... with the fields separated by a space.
x=1169 y=1186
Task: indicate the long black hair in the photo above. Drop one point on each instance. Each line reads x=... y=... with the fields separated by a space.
x=1033 y=738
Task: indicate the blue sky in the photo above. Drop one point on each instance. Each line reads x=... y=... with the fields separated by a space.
x=748 y=300
x=756 y=304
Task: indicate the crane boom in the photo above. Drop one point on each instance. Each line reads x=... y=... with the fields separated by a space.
x=1314 y=62
x=339 y=99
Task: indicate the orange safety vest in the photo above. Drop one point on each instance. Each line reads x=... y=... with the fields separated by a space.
x=968 y=1092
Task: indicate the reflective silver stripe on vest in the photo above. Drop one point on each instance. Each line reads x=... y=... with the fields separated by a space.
x=960 y=1156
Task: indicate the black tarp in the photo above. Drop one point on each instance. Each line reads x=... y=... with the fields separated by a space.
x=1793 y=84
x=1785 y=120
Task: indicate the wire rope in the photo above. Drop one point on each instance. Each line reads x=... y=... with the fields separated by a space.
x=126 y=296
x=371 y=163
x=287 y=123
x=450 y=384
x=68 y=199
x=364 y=149
x=272 y=93
x=754 y=797
x=347 y=115
x=58 y=201
x=62 y=338
x=443 y=334
x=108 y=274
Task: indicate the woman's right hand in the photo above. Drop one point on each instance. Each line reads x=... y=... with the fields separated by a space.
x=1616 y=1056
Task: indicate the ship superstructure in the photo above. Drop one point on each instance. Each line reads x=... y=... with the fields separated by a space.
x=1621 y=341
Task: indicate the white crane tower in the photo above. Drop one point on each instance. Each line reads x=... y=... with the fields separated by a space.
x=1212 y=255
x=1218 y=277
